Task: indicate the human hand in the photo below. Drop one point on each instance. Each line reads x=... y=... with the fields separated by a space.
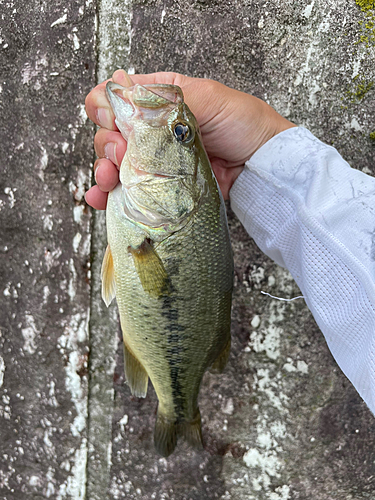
x=233 y=126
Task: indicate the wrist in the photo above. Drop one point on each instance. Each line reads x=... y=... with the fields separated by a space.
x=275 y=124
x=262 y=122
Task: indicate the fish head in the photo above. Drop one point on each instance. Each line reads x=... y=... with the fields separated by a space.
x=161 y=173
x=159 y=127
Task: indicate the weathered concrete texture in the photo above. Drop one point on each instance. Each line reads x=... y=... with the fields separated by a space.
x=103 y=343
x=113 y=41
x=326 y=74
x=47 y=67
x=282 y=422
x=310 y=434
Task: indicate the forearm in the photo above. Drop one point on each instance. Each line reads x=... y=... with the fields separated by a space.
x=310 y=212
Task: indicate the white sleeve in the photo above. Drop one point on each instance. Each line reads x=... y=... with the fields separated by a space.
x=309 y=211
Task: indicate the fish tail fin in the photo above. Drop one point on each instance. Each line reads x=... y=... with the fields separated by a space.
x=192 y=431
x=221 y=361
x=167 y=432
x=165 y=435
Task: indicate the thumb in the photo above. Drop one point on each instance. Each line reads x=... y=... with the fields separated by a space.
x=122 y=78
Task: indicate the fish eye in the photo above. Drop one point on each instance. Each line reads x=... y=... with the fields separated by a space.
x=182 y=132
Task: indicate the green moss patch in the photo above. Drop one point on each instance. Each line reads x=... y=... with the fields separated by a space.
x=365 y=4
x=367 y=26
x=361 y=89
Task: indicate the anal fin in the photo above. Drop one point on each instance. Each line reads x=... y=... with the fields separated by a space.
x=220 y=362
x=108 y=277
x=136 y=375
x=150 y=269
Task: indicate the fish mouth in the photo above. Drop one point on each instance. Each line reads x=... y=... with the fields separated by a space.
x=153 y=95
x=157 y=201
x=116 y=94
x=120 y=100
x=155 y=101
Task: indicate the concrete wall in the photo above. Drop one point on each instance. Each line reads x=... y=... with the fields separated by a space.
x=282 y=422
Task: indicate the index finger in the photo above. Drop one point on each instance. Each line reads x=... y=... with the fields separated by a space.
x=97 y=100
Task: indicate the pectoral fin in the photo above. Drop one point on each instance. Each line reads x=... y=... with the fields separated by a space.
x=150 y=269
x=108 y=278
x=136 y=375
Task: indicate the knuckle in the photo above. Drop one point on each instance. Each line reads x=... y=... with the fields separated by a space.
x=212 y=85
x=171 y=77
x=88 y=100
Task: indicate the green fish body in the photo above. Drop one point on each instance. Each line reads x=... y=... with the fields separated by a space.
x=169 y=260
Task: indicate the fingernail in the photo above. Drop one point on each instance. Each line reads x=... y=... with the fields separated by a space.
x=104 y=118
x=96 y=171
x=110 y=152
x=120 y=76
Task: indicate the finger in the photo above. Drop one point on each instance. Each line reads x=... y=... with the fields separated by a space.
x=98 y=108
x=225 y=176
x=120 y=76
x=111 y=145
x=96 y=198
x=106 y=175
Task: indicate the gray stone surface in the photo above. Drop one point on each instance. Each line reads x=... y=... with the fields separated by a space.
x=47 y=66
x=282 y=422
x=112 y=53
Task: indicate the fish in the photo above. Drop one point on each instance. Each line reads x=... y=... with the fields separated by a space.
x=169 y=260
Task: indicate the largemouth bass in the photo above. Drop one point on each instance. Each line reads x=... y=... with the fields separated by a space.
x=169 y=260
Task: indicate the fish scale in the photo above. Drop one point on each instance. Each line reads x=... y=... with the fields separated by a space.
x=173 y=276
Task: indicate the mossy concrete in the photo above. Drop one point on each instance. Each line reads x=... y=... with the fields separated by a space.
x=282 y=422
